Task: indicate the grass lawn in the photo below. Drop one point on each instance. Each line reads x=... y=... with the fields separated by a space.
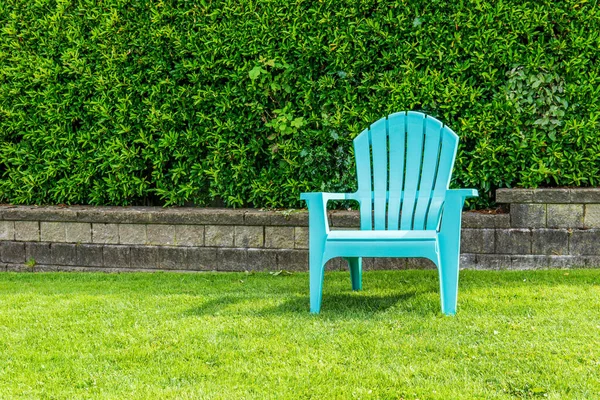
x=523 y=334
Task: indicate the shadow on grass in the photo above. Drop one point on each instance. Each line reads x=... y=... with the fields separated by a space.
x=335 y=305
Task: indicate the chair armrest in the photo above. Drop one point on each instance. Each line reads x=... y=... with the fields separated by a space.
x=464 y=193
x=317 y=208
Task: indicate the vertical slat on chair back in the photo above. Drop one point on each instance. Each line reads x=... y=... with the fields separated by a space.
x=404 y=163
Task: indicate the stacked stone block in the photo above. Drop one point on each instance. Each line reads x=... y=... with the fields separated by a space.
x=544 y=228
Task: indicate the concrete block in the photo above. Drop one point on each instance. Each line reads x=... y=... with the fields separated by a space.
x=261 y=259
x=7 y=230
x=116 y=256
x=387 y=263
x=172 y=258
x=555 y=195
x=301 y=237
x=565 y=216
x=292 y=260
x=493 y=261
x=53 y=232
x=550 y=241
x=218 y=235
x=189 y=235
x=478 y=241
x=201 y=258
x=513 y=241
x=144 y=257
x=63 y=253
x=132 y=234
x=12 y=252
x=419 y=263
x=105 y=233
x=479 y=220
x=514 y=196
x=520 y=262
x=78 y=232
x=27 y=231
x=585 y=242
x=279 y=237
x=160 y=235
x=249 y=236
x=592 y=216
x=90 y=255
x=232 y=259
x=38 y=252
x=528 y=215
x=585 y=195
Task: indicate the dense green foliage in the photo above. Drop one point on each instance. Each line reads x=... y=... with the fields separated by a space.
x=517 y=335
x=250 y=102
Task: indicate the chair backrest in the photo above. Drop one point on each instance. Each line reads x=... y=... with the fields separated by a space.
x=404 y=164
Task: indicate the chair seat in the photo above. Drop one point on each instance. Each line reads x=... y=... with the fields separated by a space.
x=382 y=235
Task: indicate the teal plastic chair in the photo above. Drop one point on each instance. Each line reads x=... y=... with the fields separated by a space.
x=403 y=164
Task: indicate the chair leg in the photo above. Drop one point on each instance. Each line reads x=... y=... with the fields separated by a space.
x=355 y=265
x=448 y=272
x=317 y=273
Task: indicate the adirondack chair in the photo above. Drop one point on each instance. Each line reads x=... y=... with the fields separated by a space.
x=403 y=164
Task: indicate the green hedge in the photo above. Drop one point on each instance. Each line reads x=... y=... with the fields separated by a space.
x=250 y=102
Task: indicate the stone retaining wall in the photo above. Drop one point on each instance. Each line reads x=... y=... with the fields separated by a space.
x=545 y=228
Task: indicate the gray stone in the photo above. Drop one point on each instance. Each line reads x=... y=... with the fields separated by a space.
x=27 y=231
x=160 y=235
x=419 y=263
x=388 y=263
x=502 y=220
x=232 y=259
x=513 y=241
x=7 y=230
x=528 y=215
x=172 y=257
x=90 y=255
x=493 y=261
x=514 y=196
x=63 y=254
x=116 y=256
x=338 y=264
x=592 y=216
x=201 y=258
x=519 y=262
x=40 y=253
x=290 y=218
x=189 y=235
x=585 y=195
x=565 y=215
x=37 y=213
x=218 y=235
x=144 y=257
x=585 y=242
x=262 y=260
x=301 y=237
x=566 y=261
x=257 y=217
x=345 y=219
x=279 y=237
x=468 y=261
x=478 y=220
x=550 y=241
x=79 y=232
x=53 y=231
x=477 y=241
x=557 y=196
x=292 y=260
x=249 y=236
x=105 y=233
x=12 y=252
x=132 y=234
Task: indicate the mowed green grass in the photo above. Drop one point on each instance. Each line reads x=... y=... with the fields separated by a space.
x=524 y=334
